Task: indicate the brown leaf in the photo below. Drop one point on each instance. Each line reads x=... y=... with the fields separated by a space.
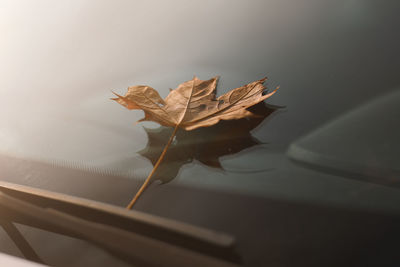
x=194 y=103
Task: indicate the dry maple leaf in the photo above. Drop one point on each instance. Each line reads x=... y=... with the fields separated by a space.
x=192 y=105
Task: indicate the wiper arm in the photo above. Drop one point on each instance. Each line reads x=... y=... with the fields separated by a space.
x=139 y=238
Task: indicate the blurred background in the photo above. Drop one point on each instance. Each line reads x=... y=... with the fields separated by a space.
x=61 y=60
x=327 y=56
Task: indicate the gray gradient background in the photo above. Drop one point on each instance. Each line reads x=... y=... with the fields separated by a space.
x=327 y=56
x=59 y=61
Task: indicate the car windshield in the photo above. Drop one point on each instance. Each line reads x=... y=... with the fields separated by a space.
x=320 y=155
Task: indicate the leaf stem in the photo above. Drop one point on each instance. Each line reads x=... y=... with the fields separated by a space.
x=148 y=179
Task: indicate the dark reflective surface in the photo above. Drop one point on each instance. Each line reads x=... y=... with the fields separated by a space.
x=362 y=144
x=59 y=60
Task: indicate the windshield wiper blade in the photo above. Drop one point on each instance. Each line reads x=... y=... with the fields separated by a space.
x=137 y=237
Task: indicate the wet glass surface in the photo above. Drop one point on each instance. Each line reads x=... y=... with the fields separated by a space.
x=61 y=60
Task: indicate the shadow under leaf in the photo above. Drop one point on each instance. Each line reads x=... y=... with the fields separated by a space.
x=206 y=144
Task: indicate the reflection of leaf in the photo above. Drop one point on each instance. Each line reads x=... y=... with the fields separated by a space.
x=192 y=105
x=206 y=145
